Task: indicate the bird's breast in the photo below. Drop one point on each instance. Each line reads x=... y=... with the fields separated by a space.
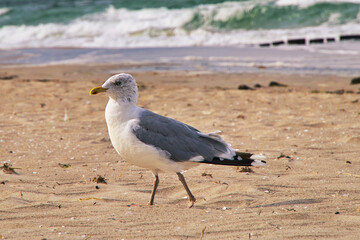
x=120 y=126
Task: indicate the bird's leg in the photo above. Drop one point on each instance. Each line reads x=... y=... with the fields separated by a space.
x=191 y=197
x=156 y=183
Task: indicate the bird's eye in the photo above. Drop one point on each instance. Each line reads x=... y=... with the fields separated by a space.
x=117 y=83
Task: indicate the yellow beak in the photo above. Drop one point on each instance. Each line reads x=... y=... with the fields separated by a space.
x=97 y=90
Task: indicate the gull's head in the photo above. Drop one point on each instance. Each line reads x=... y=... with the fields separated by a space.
x=120 y=87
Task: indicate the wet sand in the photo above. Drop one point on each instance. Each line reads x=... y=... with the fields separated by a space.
x=308 y=190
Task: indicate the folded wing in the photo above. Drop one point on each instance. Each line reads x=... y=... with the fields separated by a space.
x=179 y=141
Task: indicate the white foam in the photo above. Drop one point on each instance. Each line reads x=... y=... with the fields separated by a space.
x=161 y=27
x=4 y=11
x=307 y=3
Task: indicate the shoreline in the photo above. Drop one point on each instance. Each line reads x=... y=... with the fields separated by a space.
x=333 y=59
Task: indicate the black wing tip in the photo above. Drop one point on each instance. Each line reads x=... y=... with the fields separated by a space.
x=230 y=162
x=240 y=159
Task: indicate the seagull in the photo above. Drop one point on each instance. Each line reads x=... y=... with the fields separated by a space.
x=159 y=143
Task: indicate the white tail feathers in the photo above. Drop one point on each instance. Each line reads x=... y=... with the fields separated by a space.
x=258 y=163
x=258 y=160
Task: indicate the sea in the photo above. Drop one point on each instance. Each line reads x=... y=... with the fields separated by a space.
x=302 y=36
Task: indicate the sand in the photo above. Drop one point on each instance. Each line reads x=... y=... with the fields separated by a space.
x=308 y=190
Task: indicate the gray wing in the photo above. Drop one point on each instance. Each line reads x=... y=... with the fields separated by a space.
x=182 y=142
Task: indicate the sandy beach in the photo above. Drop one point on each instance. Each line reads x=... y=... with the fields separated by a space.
x=54 y=135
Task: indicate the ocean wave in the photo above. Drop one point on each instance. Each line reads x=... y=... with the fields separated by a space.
x=223 y=24
x=4 y=11
x=307 y=3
